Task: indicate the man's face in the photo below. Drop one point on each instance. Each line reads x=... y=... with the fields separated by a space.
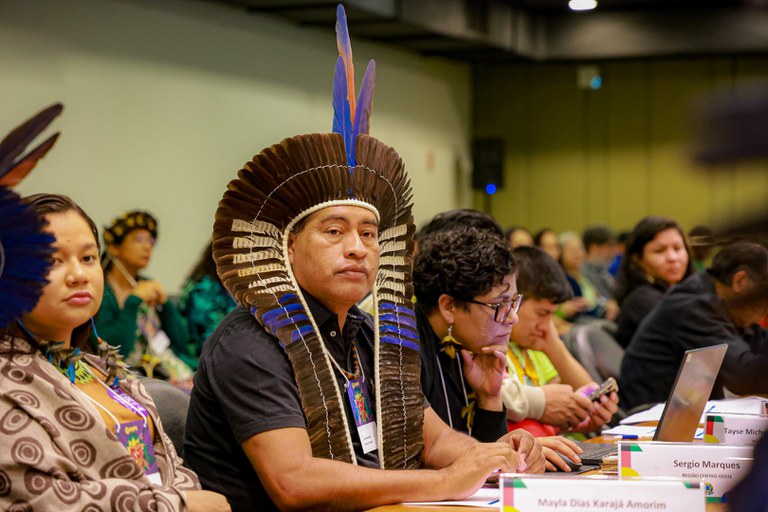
x=534 y=318
x=335 y=256
x=749 y=311
x=602 y=254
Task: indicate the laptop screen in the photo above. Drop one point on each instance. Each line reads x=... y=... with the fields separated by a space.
x=690 y=393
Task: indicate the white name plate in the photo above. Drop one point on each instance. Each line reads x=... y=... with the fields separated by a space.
x=735 y=428
x=720 y=466
x=539 y=493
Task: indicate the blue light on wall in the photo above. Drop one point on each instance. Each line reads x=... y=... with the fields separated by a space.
x=490 y=189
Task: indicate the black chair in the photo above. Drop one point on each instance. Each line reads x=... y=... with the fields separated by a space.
x=172 y=404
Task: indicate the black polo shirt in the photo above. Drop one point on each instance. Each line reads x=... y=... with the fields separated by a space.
x=245 y=386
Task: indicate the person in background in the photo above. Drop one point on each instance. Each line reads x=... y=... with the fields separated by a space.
x=464 y=280
x=700 y=241
x=600 y=247
x=459 y=219
x=518 y=236
x=549 y=242
x=68 y=416
x=538 y=357
x=588 y=303
x=621 y=247
x=656 y=258
x=204 y=301
x=136 y=313
x=722 y=305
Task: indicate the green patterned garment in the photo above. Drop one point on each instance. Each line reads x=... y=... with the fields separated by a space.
x=204 y=303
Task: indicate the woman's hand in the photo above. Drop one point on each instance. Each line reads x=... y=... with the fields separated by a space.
x=553 y=444
x=484 y=373
x=207 y=501
x=150 y=291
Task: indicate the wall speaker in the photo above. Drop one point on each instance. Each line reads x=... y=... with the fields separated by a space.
x=487 y=163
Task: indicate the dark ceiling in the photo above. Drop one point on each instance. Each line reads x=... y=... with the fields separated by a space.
x=540 y=30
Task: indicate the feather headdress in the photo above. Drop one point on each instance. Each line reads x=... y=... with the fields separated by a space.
x=288 y=182
x=25 y=250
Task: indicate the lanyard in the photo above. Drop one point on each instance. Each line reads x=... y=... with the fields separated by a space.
x=524 y=369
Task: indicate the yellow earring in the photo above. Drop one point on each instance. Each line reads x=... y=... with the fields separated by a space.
x=450 y=344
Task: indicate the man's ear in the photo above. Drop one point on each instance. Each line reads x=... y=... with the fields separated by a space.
x=740 y=281
x=447 y=306
x=291 y=240
x=112 y=250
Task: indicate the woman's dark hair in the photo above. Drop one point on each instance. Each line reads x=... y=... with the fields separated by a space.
x=462 y=263
x=459 y=219
x=511 y=230
x=630 y=275
x=540 y=277
x=205 y=266
x=46 y=204
x=540 y=233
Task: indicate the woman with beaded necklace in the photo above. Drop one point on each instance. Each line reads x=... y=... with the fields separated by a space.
x=77 y=433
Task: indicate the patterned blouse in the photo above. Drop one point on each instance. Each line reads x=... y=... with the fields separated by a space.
x=58 y=453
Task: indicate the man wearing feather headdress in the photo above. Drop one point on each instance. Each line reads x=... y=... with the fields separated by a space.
x=304 y=406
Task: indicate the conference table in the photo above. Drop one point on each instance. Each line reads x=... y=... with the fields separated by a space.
x=710 y=507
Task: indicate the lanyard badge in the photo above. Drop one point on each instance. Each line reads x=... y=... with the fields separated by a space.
x=362 y=408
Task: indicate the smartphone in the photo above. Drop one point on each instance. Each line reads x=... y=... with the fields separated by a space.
x=605 y=388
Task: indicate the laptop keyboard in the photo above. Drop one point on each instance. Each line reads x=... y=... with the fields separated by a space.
x=593 y=453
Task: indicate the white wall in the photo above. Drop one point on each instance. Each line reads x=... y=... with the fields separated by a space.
x=166 y=99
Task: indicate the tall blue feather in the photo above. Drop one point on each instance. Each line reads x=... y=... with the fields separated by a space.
x=364 y=110
x=25 y=259
x=341 y=109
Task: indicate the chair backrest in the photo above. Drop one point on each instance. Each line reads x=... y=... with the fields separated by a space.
x=172 y=404
x=597 y=351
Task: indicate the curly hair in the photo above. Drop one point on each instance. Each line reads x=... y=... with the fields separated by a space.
x=461 y=263
x=459 y=219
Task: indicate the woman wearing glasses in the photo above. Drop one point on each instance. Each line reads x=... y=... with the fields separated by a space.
x=466 y=303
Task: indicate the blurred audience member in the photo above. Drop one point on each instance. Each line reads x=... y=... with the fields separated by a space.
x=722 y=305
x=600 y=247
x=621 y=247
x=548 y=241
x=587 y=303
x=204 y=301
x=656 y=258
x=136 y=313
x=459 y=219
x=700 y=240
x=518 y=236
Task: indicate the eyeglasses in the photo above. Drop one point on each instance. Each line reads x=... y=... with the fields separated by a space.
x=502 y=309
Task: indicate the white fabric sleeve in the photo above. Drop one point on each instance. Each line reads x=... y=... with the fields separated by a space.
x=522 y=401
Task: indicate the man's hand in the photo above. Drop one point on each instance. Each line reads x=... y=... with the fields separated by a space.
x=485 y=373
x=478 y=462
x=564 y=408
x=553 y=444
x=528 y=448
x=548 y=339
x=602 y=411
